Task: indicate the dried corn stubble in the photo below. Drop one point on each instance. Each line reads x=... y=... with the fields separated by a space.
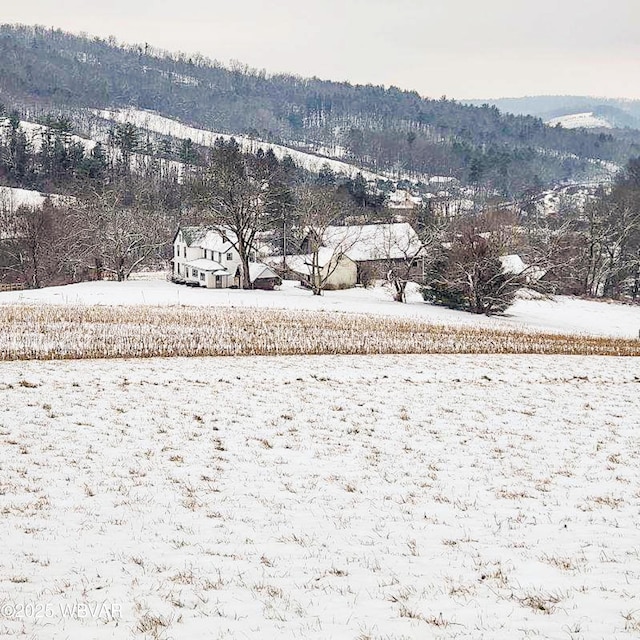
x=81 y=332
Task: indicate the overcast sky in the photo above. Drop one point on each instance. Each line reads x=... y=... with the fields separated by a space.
x=458 y=48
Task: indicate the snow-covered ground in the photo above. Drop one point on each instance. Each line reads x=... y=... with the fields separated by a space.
x=321 y=497
x=157 y=123
x=586 y=120
x=35 y=132
x=11 y=198
x=561 y=314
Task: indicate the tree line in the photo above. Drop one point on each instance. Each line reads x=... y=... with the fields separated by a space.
x=124 y=206
x=381 y=128
x=122 y=214
x=591 y=252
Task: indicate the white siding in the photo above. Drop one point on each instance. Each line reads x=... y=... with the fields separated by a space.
x=182 y=254
x=344 y=276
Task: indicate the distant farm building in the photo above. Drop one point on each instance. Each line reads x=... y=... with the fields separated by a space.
x=351 y=255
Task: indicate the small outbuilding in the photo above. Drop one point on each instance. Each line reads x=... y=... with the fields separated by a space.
x=336 y=271
x=263 y=276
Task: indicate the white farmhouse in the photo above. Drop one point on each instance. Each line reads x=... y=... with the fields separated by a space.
x=207 y=257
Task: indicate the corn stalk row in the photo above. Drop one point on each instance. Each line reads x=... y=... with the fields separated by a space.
x=81 y=332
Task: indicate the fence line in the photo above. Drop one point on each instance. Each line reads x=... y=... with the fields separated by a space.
x=14 y=286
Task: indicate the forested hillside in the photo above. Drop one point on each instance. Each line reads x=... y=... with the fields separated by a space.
x=44 y=71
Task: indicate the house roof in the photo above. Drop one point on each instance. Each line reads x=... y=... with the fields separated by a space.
x=301 y=263
x=402 y=199
x=393 y=241
x=214 y=240
x=258 y=270
x=207 y=265
x=513 y=264
x=205 y=237
x=190 y=234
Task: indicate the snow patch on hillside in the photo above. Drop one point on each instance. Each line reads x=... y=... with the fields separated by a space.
x=139 y=161
x=34 y=133
x=586 y=120
x=11 y=198
x=152 y=121
x=565 y=198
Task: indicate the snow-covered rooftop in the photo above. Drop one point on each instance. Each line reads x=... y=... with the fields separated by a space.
x=512 y=263
x=203 y=264
x=393 y=241
x=302 y=263
x=206 y=237
x=259 y=270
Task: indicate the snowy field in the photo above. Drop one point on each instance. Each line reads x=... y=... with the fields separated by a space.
x=321 y=497
x=561 y=315
x=357 y=497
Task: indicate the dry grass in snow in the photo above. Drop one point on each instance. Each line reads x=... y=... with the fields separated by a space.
x=63 y=332
x=329 y=497
x=562 y=314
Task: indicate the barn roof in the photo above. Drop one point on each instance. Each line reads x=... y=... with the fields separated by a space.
x=361 y=243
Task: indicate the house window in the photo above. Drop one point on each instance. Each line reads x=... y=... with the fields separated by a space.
x=202 y=276
x=178 y=265
x=194 y=273
x=218 y=281
x=185 y=252
x=229 y=256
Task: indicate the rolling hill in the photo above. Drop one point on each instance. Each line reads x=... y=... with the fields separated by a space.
x=382 y=130
x=571 y=112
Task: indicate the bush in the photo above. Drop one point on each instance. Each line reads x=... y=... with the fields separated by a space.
x=469 y=276
x=444 y=296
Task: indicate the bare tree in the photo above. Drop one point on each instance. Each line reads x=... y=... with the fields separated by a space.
x=612 y=243
x=471 y=271
x=117 y=235
x=317 y=209
x=35 y=244
x=234 y=190
x=406 y=255
x=12 y=254
x=37 y=227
